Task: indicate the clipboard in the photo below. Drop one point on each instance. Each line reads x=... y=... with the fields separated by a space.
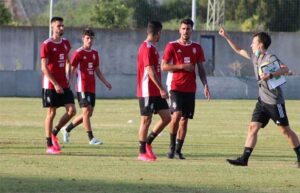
x=273 y=67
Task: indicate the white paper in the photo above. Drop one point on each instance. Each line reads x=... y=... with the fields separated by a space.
x=276 y=80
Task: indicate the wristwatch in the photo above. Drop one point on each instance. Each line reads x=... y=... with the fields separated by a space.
x=271 y=75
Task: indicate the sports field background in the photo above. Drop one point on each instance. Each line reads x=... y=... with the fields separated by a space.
x=217 y=132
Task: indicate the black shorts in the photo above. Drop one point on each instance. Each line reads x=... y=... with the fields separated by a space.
x=184 y=102
x=150 y=105
x=52 y=99
x=86 y=99
x=264 y=112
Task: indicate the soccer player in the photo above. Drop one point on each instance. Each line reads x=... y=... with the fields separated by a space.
x=150 y=92
x=56 y=89
x=270 y=104
x=181 y=57
x=85 y=61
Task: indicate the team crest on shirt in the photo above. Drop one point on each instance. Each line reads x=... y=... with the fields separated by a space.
x=179 y=51
x=54 y=49
x=194 y=51
x=94 y=57
x=84 y=57
x=186 y=60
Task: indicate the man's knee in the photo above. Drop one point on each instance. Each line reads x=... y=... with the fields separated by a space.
x=51 y=113
x=71 y=111
x=253 y=128
x=176 y=116
x=286 y=130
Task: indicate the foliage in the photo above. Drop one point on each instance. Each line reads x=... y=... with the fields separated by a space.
x=273 y=15
x=146 y=10
x=5 y=16
x=75 y=13
x=253 y=24
x=246 y=15
x=280 y=15
x=112 y=14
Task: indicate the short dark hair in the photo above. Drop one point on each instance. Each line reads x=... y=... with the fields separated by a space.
x=154 y=27
x=187 y=21
x=264 y=38
x=88 y=32
x=54 y=19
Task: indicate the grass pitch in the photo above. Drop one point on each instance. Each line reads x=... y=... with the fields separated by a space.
x=217 y=132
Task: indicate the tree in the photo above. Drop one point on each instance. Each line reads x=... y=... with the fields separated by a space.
x=112 y=14
x=286 y=17
x=5 y=16
x=144 y=11
x=75 y=13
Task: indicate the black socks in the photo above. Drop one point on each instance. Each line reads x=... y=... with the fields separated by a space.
x=151 y=137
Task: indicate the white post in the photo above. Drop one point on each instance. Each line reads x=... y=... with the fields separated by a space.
x=194 y=13
x=50 y=16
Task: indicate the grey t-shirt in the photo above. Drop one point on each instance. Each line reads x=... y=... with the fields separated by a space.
x=269 y=96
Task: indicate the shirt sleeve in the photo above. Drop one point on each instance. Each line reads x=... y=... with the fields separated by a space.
x=68 y=45
x=168 y=54
x=75 y=59
x=97 y=62
x=148 y=57
x=44 y=53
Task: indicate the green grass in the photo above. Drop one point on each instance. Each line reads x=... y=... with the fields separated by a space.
x=217 y=132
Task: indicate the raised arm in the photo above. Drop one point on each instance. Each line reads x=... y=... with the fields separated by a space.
x=233 y=45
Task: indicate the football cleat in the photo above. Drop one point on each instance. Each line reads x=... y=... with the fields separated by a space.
x=237 y=162
x=150 y=152
x=52 y=150
x=145 y=157
x=95 y=141
x=179 y=155
x=65 y=134
x=171 y=155
x=55 y=142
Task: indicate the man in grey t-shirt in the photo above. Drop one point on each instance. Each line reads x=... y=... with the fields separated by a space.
x=270 y=103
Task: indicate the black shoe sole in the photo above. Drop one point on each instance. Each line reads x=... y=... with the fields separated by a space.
x=236 y=163
x=179 y=157
x=170 y=155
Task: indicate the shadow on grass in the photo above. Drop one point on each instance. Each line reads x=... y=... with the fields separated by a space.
x=60 y=185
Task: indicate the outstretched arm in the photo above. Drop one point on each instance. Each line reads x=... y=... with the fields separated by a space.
x=233 y=45
x=202 y=75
